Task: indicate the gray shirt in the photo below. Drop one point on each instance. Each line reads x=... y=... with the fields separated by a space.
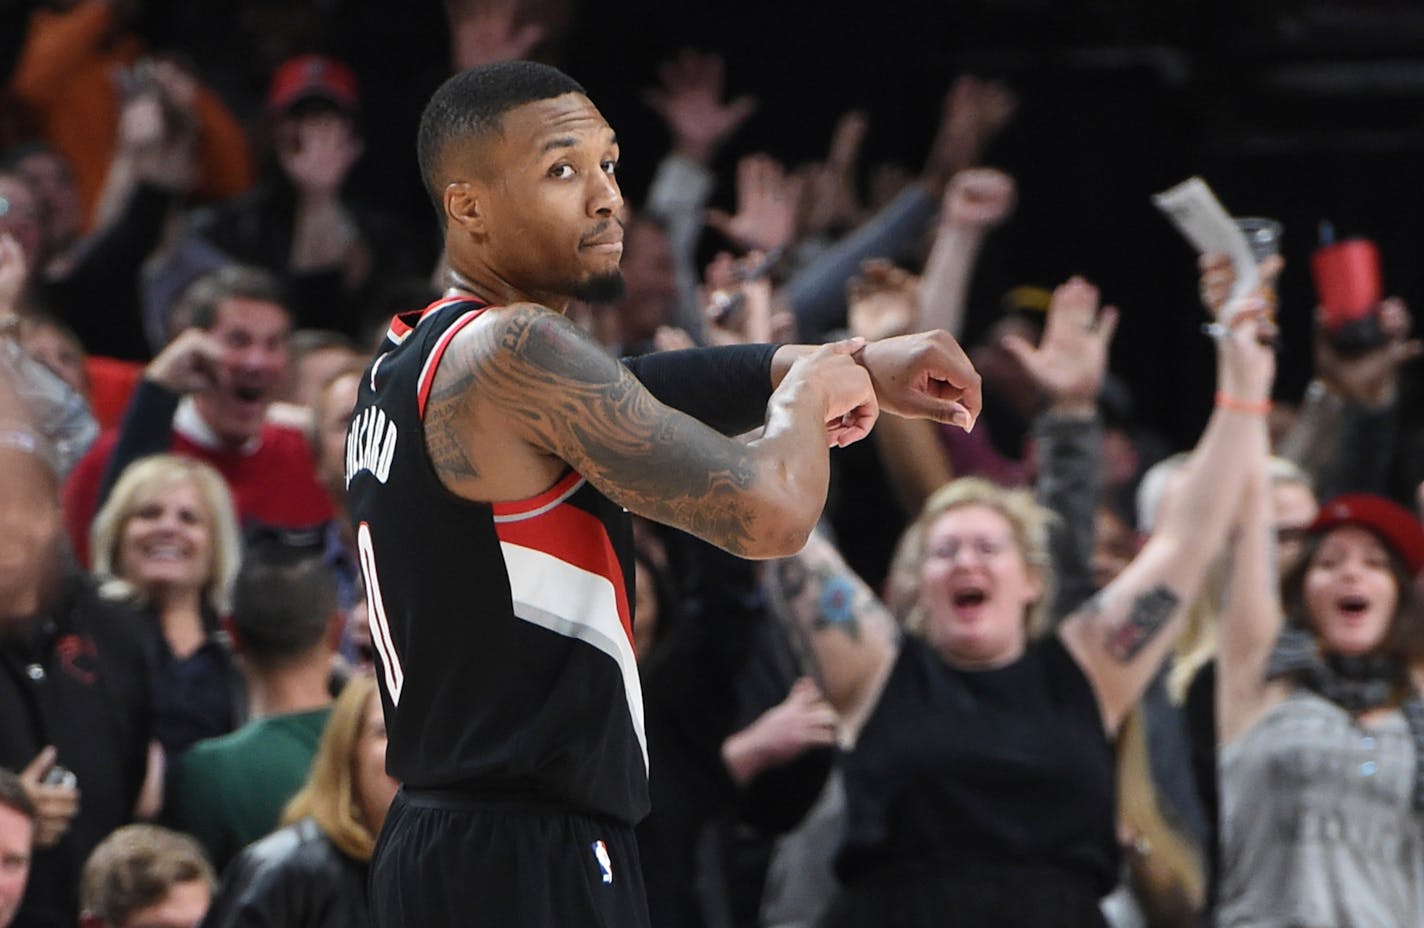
x=1318 y=830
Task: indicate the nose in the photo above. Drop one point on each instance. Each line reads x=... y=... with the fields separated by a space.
x=605 y=198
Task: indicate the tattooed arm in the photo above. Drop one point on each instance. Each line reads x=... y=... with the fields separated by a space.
x=845 y=633
x=1122 y=635
x=522 y=392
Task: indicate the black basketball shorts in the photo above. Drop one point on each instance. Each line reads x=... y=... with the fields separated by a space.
x=445 y=860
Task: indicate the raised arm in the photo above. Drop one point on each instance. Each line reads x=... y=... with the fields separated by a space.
x=975 y=201
x=850 y=637
x=556 y=390
x=1122 y=635
x=1252 y=618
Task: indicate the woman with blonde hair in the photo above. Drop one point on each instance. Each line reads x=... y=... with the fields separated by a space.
x=311 y=873
x=980 y=767
x=167 y=540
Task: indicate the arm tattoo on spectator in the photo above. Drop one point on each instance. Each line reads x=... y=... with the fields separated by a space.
x=1148 y=614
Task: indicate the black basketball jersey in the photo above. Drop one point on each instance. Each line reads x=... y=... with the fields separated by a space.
x=503 y=632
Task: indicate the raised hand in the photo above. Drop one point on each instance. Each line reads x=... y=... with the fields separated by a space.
x=767 y=202
x=830 y=199
x=883 y=301
x=979 y=198
x=690 y=103
x=486 y=31
x=1218 y=279
x=1372 y=377
x=1071 y=359
x=974 y=112
x=317 y=152
x=191 y=363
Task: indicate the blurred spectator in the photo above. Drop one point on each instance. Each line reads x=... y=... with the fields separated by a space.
x=17 y=840
x=143 y=876
x=78 y=64
x=207 y=396
x=230 y=791
x=312 y=873
x=75 y=711
x=331 y=415
x=1321 y=722
x=52 y=182
x=297 y=222
x=649 y=286
x=166 y=541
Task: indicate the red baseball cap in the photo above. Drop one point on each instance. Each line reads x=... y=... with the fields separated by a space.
x=1396 y=526
x=312 y=77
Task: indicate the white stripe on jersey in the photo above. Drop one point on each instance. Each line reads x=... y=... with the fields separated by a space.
x=575 y=603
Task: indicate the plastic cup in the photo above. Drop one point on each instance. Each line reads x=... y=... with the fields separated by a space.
x=1347 y=279
x=1262 y=235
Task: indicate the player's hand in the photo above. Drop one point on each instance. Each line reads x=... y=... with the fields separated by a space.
x=850 y=404
x=924 y=376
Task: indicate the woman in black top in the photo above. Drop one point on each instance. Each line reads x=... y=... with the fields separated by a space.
x=979 y=775
x=167 y=539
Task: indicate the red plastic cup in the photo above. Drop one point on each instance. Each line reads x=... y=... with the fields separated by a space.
x=1347 y=280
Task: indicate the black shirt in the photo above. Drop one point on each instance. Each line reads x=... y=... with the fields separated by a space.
x=77 y=678
x=996 y=767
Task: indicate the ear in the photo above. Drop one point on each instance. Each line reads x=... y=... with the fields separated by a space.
x=1034 y=575
x=464 y=206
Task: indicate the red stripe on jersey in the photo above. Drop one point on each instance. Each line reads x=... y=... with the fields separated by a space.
x=577 y=538
x=432 y=363
x=512 y=510
x=402 y=324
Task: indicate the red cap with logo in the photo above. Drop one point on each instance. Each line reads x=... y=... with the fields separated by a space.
x=312 y=77
x=1395 y=525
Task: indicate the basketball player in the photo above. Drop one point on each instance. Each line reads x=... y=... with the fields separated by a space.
x=493 y=457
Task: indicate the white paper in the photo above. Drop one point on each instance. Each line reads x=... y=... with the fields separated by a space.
x=1199 y=216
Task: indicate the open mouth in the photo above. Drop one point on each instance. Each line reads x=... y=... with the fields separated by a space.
x=1352 y=605
x=248 y=394
x=968 y=597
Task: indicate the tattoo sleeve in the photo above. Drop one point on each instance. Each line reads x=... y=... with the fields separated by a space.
x=1149 y=612
x=574 y=401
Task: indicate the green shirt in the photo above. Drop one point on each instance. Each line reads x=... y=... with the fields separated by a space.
x=230 y=791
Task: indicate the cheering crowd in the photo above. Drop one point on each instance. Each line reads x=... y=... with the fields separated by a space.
x=1039 y=672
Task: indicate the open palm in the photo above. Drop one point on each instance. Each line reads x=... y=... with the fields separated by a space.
x=1071 y=358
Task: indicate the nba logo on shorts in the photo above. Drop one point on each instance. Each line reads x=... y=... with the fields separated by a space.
x=605 y=863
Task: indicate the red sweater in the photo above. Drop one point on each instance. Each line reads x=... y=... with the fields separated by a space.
x=272 y=484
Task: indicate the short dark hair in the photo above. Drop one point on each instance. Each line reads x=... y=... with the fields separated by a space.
x=282 y=603
x=135 y=867
x=471 y=103
x=198 y=306
x=13 y=795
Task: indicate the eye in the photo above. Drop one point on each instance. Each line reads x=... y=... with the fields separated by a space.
x=610 y=166
x=561 y=171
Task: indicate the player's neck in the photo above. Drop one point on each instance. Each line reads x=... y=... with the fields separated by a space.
x=490 y=288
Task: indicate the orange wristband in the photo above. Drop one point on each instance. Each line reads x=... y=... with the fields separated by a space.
x=1232 y=404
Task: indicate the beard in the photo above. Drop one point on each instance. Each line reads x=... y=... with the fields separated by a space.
x=601 y=288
